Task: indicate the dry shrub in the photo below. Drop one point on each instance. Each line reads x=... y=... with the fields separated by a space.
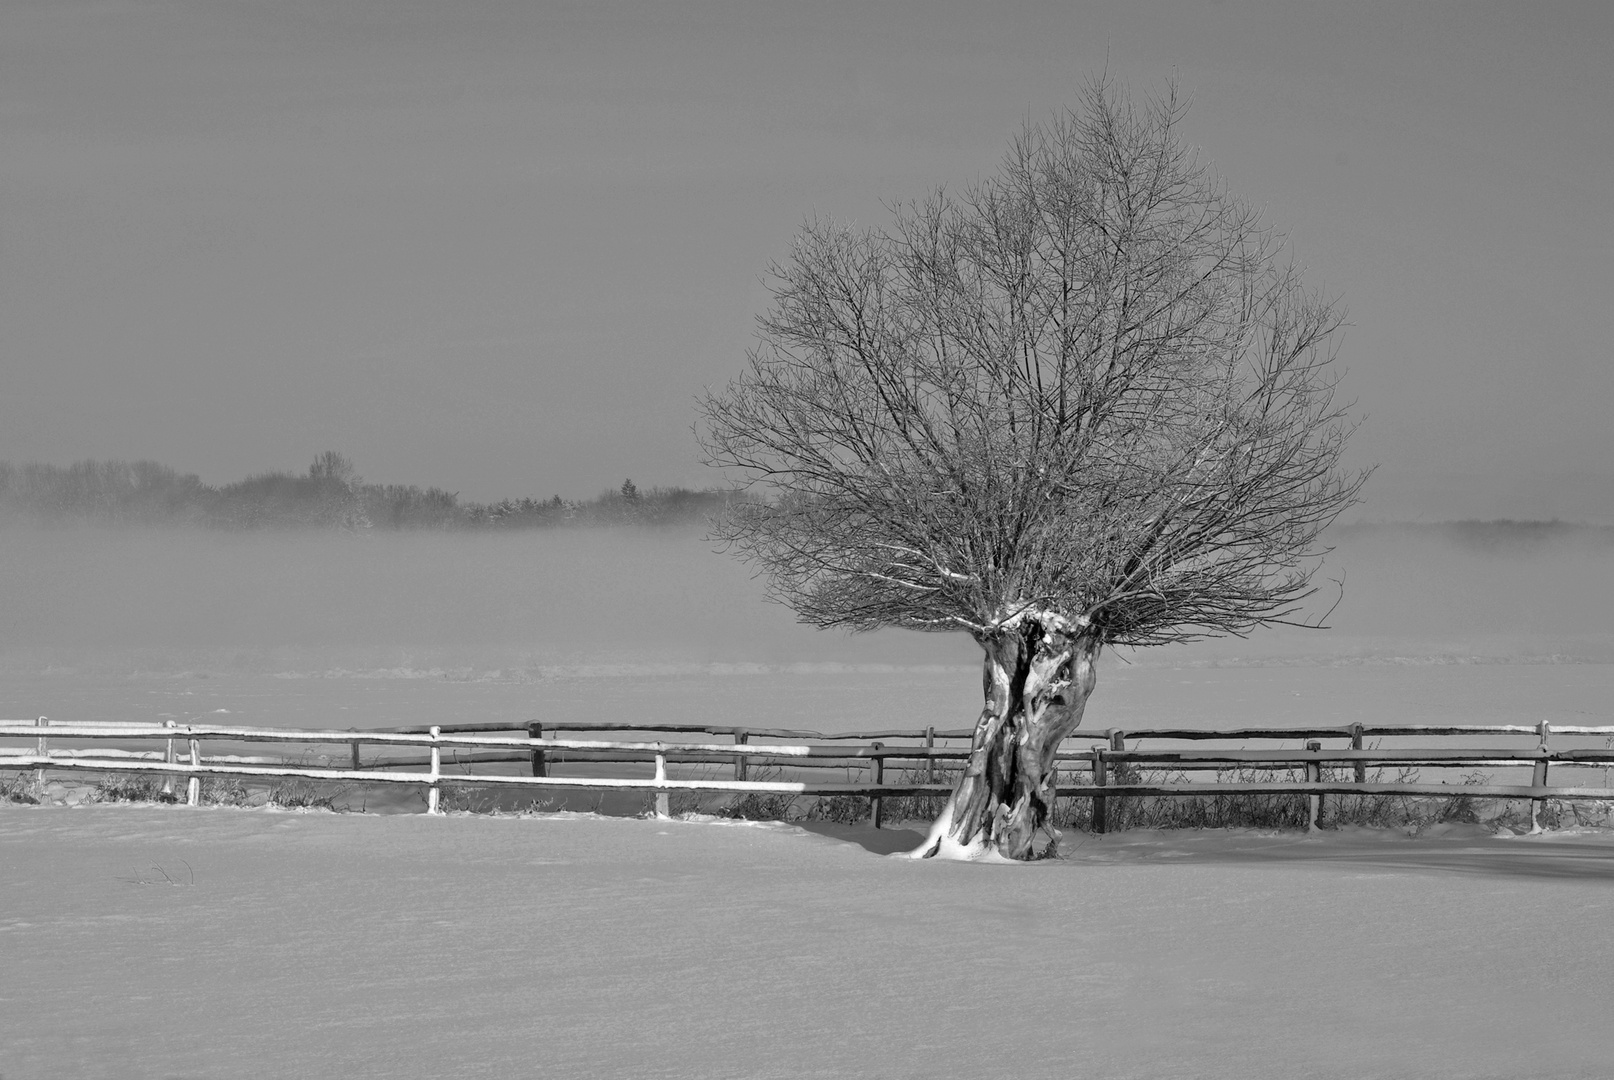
x=292 y=794
x=679 y=803
x=18 y=789
x=299 y=794
x=921 y=807
x=762 y=806
x=1278 y=811
x=228 y=791
x=461 y=798
x=841 y=809
x=1216 y=811
x=134 y=787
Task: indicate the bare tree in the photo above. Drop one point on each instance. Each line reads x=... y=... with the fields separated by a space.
x=1086 y=402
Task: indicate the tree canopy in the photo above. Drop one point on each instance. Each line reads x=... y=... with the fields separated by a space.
x=1090 y=384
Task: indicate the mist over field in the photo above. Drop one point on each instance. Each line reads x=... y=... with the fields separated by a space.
x=1496 y=591
x=626 y=597
x=330 y=599
x=316 y=628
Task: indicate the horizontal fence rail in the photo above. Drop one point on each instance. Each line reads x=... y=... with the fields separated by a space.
x=541 y=746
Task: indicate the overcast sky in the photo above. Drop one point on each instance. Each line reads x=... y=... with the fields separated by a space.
x=500 y=246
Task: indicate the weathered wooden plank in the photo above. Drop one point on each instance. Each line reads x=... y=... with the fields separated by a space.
x=168 y=781
x=696 y=729
x=1522 y=755
x=600 y=750
x=395 y=738
x=662 y=808
x=1101 y=775
x=1314 y=803
x=42 y=747
x=540 y=762
x=783 y=753
x=877 y=776
x=193 y=786
x=10 y=757
x=1539 y=776
x=70 y=724
x=1513 y=791
x=411 y=734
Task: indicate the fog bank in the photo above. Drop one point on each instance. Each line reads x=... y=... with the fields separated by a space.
x=333 y=599
x=330 y=600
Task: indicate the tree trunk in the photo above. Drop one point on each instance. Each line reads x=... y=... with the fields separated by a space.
x=1038 y=674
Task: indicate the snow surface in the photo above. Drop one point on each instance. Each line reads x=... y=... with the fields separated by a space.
x=169 y=942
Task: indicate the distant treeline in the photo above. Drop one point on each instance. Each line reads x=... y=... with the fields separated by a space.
x=329 y=495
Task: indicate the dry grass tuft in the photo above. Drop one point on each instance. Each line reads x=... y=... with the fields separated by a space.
x=19 y=788
x=290 y=794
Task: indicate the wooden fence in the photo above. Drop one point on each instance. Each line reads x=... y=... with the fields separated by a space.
x=1109 y=761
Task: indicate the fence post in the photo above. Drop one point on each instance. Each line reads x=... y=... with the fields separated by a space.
x=540 y=763
x=740 y=739
x=169 y=758
x=1356 y=744
x=1118 y=745
x=930 y=762
x=355 y=755
x=1101 y=778
x=1314 y=775
x=193 y=788
x=663 y=810
x=437 y=768
x=1539 y=777
x=43 y=750
x=877 y=768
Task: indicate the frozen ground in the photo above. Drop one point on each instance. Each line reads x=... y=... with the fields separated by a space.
x=348 y=945
x=165 y=942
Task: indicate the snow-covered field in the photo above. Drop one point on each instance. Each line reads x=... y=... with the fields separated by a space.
x=162 y=942
x=275 y=944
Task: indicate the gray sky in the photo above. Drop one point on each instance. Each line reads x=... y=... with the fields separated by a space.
x=500 y=246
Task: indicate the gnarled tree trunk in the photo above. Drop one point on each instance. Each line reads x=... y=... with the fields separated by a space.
x=1037 y=676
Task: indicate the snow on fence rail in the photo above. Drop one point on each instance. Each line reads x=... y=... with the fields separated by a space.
x=540 y=747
